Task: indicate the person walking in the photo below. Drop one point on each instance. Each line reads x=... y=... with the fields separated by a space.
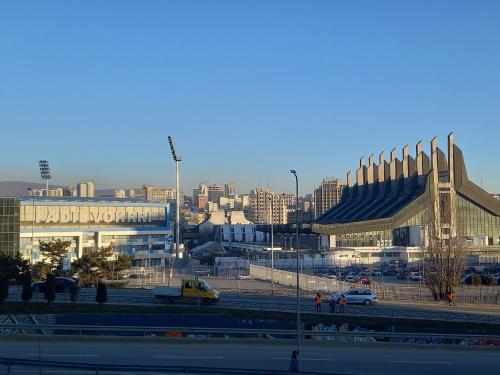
x=453 y=296
x=342 y=303
x=318 y=302
x=294 y=362
x=332 y=305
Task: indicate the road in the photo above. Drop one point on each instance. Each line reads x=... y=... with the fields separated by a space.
x=339 y=358
x=415 y=310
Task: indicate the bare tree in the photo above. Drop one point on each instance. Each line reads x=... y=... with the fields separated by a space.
x=444 y=256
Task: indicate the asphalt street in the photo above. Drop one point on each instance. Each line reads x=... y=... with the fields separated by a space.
x=420 y=310
x=338 y=358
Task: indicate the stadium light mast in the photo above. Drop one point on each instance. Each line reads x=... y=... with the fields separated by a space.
x=45 y=173
x=177 y=160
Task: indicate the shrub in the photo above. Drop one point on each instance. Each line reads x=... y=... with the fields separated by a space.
x=102 y=293
x=27 y=293
x=74 y=292
x=50 y=288
x=4 y=288
x=488 y=280
x=476 y=280
x=117 y=284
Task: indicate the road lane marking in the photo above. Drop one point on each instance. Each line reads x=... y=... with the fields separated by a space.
x=303 y=359
x=185 y=357
x=62 y=355
x=424 y=362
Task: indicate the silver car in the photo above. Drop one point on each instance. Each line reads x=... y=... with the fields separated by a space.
x=361 y=296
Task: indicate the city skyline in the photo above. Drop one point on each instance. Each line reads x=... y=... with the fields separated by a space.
x=311 y=92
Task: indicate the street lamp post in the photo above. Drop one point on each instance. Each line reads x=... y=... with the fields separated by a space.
x=272 y=243
x=294 y=172
x=32 y=228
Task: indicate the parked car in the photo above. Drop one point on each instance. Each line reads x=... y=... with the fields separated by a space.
x=415 y=276
x=376 y=273
x=402 y=276
x=389 y=273
x=63 y=285
x=331 y=276
x=351 y=279
x=357 y=295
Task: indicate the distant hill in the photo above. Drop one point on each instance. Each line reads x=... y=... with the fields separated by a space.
x=17 y=188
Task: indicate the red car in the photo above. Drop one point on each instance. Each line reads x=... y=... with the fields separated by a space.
x=363 y=280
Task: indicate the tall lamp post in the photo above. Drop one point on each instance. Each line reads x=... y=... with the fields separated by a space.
x=294 y=172
x=272 y=244
x=32 y=227
x=177 y=160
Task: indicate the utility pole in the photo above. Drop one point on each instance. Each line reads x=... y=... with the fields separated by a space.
x=294 y=172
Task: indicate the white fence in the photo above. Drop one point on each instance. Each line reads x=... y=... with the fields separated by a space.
x=307 y=282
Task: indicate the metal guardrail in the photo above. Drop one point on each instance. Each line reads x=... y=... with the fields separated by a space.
x=242 y=331
x=100 y=368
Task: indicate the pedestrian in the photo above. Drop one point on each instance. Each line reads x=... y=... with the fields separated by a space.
x=449 y=298
x=332 y=305
x=342 y=303
x=318 y=301
x=294 y=362
x=453 y=297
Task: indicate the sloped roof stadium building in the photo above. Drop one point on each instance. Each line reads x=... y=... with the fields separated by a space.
x=389 y=204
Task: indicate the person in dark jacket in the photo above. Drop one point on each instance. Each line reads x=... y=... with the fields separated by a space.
x=294 y=362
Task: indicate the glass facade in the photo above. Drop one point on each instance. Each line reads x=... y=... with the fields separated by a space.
x=9 y=225
x=475 y=222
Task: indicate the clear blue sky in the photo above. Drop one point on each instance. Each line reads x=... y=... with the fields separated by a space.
x=248 y=89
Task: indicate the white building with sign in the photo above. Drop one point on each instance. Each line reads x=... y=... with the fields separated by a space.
x=136 y=227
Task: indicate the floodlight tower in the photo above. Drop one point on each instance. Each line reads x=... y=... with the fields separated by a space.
x=177 y=160
x=45 y=173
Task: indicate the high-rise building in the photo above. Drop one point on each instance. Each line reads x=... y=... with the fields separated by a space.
x=90 y=189
x=267 y=206
x=215 y=192
x=86 y=189
x=230 y=190
x=327 y=195
x=290 y=200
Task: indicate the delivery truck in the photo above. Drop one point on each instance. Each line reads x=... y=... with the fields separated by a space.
x=191 y=290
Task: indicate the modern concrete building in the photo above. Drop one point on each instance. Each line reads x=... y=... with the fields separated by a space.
x=137 y=228
x=327 y=195
x=393 y=205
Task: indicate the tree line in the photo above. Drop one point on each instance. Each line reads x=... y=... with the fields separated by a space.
x=88 y=270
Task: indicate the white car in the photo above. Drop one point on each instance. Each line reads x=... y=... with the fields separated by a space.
x=361 y=296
